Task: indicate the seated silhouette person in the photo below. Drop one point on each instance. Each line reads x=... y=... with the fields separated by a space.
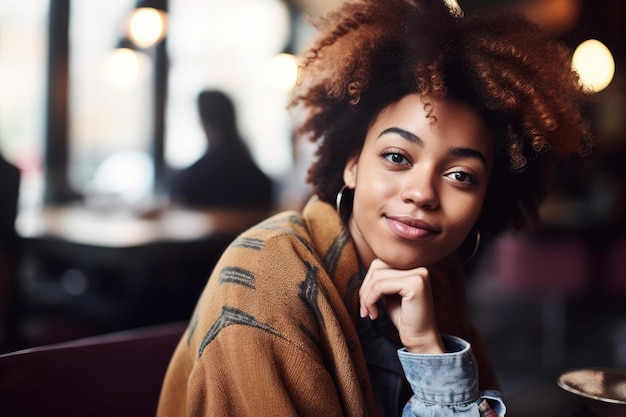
x=226 y=176
x=9 y=251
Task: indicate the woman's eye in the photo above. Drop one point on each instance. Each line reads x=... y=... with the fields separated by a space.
x=395 y=158
x=463 y=177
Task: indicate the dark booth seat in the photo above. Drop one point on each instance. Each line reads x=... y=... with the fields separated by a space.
x=117 y=374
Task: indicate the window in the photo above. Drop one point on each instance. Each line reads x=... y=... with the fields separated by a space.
x=110 y=124
x=23 y=53
x=211 y=44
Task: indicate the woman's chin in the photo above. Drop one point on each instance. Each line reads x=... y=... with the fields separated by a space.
x=402 y=263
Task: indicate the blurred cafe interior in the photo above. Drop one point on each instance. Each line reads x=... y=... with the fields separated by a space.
x=98 y=103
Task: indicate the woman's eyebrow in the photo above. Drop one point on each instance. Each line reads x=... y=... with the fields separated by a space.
x=405 y=134
x=468 y=153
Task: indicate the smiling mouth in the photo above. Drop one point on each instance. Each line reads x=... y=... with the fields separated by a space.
x=411 y=228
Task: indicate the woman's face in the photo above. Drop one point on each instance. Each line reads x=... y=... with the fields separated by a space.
x=419 y=182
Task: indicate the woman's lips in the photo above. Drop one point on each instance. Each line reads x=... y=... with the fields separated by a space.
x=411 y=228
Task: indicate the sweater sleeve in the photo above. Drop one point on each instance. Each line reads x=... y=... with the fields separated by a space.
x=248 y=372
x=265 y=339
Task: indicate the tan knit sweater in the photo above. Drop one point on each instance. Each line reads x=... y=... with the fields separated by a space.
x=274 y=332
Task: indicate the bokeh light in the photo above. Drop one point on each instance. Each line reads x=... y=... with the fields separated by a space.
x=147 y=27
x=594 y=63
x=281 y=72
x=123 y=67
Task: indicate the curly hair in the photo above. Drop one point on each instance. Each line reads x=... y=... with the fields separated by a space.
x=517 y=76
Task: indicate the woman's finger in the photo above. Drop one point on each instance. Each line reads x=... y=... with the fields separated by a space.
x=407 y=297
x=371 y=290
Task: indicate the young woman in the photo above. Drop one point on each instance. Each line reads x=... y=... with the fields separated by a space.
x=435 y=131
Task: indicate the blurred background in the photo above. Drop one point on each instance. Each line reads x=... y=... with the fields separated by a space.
x=98 y=104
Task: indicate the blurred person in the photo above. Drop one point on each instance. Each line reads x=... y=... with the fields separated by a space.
x=435 y=131
x=9 y=247
x=226 y=176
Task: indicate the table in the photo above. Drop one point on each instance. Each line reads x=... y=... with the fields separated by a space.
x=123 y=228
x=119 y=267
x=118 y=237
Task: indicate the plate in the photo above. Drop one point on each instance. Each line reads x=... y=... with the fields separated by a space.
x=603 y=390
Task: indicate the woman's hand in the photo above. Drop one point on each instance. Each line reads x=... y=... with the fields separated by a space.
x=407 y=297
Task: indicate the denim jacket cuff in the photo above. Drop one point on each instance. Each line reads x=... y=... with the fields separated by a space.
x=447 y=379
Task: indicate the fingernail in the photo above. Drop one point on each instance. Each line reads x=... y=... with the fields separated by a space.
x=363 y=312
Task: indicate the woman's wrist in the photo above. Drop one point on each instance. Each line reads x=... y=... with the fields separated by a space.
x=426 y=345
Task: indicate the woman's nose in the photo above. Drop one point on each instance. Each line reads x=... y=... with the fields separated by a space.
x=420 y=189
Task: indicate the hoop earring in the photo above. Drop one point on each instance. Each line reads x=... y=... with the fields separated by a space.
x=474 y=252
x=339 y=198
x=476 y=246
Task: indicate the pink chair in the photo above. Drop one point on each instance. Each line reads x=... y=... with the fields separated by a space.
x=543 y=266
x=548 y=269
x=117 y=374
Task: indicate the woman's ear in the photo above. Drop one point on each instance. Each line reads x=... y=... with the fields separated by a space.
x=349 y=172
